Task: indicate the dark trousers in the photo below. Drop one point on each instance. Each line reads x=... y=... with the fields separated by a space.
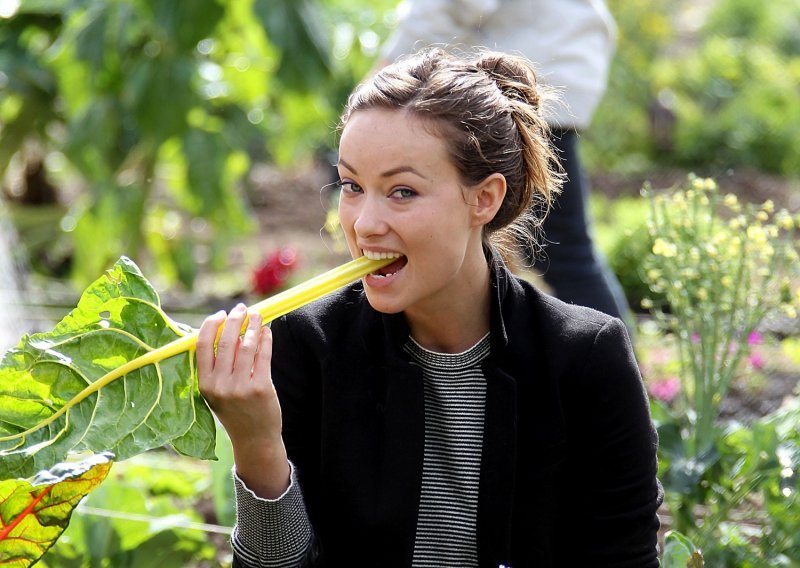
x=570 y=264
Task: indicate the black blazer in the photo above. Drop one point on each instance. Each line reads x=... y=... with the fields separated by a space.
x=568 y=474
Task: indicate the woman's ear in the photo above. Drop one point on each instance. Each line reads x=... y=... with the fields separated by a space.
x=488 y=196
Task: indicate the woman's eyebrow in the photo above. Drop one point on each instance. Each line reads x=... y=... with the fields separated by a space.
x=402 y=169
x=387 y=173
x=346 y=165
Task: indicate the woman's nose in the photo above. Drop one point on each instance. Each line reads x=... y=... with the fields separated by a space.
x=371 y=218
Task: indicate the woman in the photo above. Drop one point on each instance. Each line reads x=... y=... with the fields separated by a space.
x=442 y=412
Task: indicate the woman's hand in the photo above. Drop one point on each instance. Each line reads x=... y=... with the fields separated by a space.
x=237 y=383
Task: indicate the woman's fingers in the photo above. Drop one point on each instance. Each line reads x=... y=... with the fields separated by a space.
x=249 y=345
x=228 y=343
x=205 y=345
x=261 y=367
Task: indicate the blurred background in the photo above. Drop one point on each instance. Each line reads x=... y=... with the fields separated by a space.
x=194 y=137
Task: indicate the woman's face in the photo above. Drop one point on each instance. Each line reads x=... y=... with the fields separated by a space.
x=401 y=195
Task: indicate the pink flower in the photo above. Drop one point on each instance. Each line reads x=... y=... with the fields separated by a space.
x=755 y=338
x=756 y=360
x=695 y=337
x=665 y=390
x=274 y=271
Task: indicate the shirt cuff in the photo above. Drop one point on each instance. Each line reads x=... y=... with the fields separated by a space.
x=270 y=532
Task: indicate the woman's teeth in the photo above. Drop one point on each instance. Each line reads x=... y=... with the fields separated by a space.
x=380 y=255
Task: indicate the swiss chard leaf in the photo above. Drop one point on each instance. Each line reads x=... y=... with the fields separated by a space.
x=55 y=399
x=34 y=513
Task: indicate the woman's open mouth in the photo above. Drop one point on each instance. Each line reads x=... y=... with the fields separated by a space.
x=389 y=269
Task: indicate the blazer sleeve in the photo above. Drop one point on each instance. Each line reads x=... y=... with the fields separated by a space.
x=620 y=444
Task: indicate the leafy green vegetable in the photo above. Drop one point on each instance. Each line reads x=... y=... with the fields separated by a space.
x=33 y=514
x=53 y=401
x=115 y=375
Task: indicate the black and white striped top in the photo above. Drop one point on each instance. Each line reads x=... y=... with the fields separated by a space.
x=276 y=533
x=455 y=396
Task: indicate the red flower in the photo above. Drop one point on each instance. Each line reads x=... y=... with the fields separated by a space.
x=274 y=271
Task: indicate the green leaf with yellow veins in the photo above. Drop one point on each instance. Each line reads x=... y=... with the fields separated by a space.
x=58 y=394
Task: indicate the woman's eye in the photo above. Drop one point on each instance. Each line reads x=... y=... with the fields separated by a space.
x=403 y=193
x=349 y=186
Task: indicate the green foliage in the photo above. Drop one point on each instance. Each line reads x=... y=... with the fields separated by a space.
x=144 y=514
x=34 y=513
x=736 y=103
x=680 y=552
x=163 y=106
x=737 y=502
x=620 y=136
x=621 y=234
x=720 y=276
x=221 y=486
x=52 y=400
x=724 y=95
x=722 y=268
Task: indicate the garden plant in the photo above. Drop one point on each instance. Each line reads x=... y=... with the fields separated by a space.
x=722 y=268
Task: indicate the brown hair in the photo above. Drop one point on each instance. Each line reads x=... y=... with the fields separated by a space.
x=488 y=110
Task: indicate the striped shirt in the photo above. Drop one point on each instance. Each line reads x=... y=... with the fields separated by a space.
x=455 y=396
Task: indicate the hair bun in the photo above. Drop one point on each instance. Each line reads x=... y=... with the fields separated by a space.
x=513 y=75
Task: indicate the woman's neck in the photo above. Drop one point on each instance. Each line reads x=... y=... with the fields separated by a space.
x=455 y=323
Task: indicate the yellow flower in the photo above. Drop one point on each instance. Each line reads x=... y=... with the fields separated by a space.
x=664 y=248
x=768 y=206
x=653 y=274
x=762 y=216
x=727 y=281
x=702 y=294
x=647 y=303
x=789 y=310
x=784 y=220
x=731 y=201
x=756 y=234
